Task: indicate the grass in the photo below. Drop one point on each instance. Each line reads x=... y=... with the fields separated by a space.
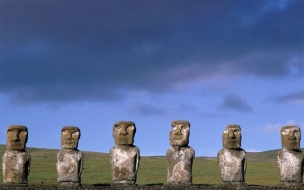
x=152 y=170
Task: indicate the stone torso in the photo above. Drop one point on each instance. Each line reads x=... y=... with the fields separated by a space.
x=290 y=164
x=232 y=164
x=15 y=167
x=124 y=161
x=180 y=165
x=69 y=166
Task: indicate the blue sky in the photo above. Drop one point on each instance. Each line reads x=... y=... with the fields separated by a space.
x=92 y=63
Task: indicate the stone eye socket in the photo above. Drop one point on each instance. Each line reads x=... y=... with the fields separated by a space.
x=117 y=127
x=64 y=132
x=296 y=131
x=185 y=127
x=75 y=133
x=23 y=133
x=236 y=130
x=130 y=127
x=287 y=131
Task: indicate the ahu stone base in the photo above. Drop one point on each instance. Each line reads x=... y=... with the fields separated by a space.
x=156 y=186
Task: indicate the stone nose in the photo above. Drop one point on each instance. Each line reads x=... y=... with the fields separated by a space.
x=69 y=135
x=178 y=129
x=123 y=131
x=231 y=134
x=15 y=136
x=178 y=133
x=291 y=135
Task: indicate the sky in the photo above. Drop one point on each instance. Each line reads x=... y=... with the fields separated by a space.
x=92 y=63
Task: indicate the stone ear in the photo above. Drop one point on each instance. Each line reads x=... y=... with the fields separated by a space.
x=134 y=130
x=79 y=135
x=26 y=138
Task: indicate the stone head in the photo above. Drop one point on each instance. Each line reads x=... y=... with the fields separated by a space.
x=16 y=137
x=179 y=134
x=232 y=136
x=290 y=136
x=70 y=136
x=124 y=132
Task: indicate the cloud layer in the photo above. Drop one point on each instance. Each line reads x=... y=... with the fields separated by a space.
x=73 y=50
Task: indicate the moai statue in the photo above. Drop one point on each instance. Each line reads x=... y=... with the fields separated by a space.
x=180 y=156
x=69 y=159
x=290 y=158
x=232 y=159
x=16 y=161
x=124 y=156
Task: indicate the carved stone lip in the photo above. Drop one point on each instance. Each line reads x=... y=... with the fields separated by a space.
x=178 y=136
x=69 y=142
x=232 y=140
x=15 y=143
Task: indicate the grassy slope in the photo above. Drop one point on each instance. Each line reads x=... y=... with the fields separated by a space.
x=261 y=170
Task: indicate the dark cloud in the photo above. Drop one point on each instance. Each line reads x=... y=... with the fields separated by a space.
x=94 y=50
x=234 y=102
x=295 y=97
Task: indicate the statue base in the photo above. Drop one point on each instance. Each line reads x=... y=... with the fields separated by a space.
x=178 y=184
x=15 y=184
x=124 y=183
x=290 y=184
x=233 y=184
x=69 y=184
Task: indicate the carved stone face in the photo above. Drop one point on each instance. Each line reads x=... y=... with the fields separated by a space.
x=290 y=136
x=70 y=137
x=124 y=132
x=179 y=134
x=232 y=136
x=16 y=137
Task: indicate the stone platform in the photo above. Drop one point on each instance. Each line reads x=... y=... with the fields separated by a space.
x=151 y=187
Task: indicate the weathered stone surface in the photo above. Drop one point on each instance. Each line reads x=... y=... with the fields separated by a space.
x=156 y=186
x=16 y=161
x=16 y=137
x=124 y=156
x=69 y=159
x=180 y=156
x=290 y=137
x=232 y=164
x=290 y=158
x=179 y=134
x=124 y=163
x=124 y=132
x=232 y=136
x=70 y=136
x=180 y=162
x=232 y=159
x=15 y=167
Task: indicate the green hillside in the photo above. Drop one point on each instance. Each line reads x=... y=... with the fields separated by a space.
x=261 y=168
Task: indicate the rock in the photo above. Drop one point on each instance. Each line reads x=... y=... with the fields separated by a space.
x=16 y=161
x=69 y=159
x=232 y=164
x=290 y=158
x=180 y=156
x=124 y=156
x=232 y=159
